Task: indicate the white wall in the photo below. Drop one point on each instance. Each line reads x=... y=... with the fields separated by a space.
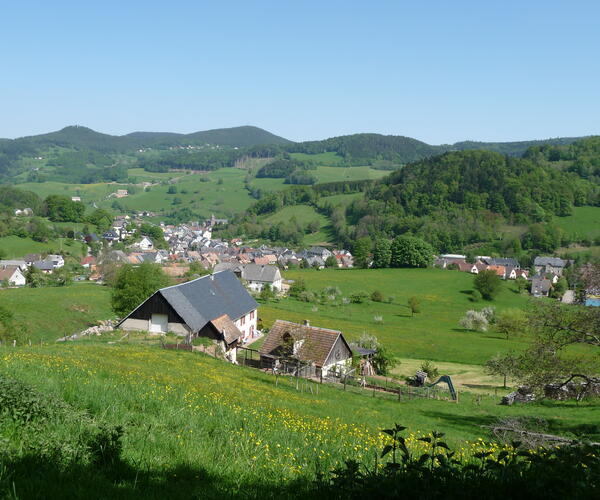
x=248 y=329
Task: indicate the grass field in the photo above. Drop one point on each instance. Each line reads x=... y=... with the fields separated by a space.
x=53 y=312
x=193 y=425
x=88 y=192
x=304 y=214
x=433 y=334
x=584 y=223
x=15 y=247
x=340 y=199
x=221 y=197
x=329 y=159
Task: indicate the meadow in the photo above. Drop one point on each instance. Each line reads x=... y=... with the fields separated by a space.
x=15 y=247
x=584 y=223
x=192 y=425
x=52 y=312
x=304 y=214
x=432 y=334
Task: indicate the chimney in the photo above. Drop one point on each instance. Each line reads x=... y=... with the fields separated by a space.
x=306 y=322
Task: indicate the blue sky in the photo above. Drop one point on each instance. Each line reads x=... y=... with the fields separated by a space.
x=439 y=71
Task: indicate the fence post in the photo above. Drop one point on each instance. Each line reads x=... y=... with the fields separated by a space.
x=345 y=377
x=399 y=394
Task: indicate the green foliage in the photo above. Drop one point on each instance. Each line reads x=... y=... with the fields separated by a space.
x=266 y=293
x=331 y=262
x=101 y=218
x=409 y=251
x=487 y=283
x=134 y=285
x=12 y=198
x=430 y=369
x=511 y=322
x=382 y=253
x=59 y=208
x=414 y=304
x=297 y=287
x=377 y=296
x=362 y=252
x=10 y=328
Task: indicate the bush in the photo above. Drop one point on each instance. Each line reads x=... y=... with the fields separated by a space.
x=476 y=296
x=377 y=296
x=358 y=298
x=475 y=321
x=430 y=369
x=488 y=283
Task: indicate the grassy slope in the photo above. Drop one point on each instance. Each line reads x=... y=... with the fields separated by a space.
x=16 y=247
x=585 y=222
x=202 y=198
x=88 y=192
x=52 y=312
x=181 y=409
x=304 y=214
x=433 y=334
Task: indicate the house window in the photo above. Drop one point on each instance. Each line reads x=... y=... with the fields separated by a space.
x=252 y=331
x=251 y=315
x=243 y=320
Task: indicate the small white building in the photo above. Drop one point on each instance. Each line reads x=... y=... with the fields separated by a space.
x=146 y=244
x=57 y=260
x=257 y=276
x=12 y=275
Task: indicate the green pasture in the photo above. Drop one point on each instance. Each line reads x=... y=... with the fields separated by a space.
x=304 y=214
x=584 y=223
x=15 y=247
x=52 y=312
x=433 y=334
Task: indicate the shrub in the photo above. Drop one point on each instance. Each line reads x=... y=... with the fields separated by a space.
x=488 y=283
x=430 y=369
x=358 y=298
x=475 y=321
x=377 y=296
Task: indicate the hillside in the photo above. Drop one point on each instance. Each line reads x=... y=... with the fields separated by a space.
x=193 y=426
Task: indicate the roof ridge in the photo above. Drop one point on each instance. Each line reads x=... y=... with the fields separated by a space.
x=192 y=281
x=309 y=326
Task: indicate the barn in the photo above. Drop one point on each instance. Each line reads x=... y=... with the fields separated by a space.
x=324 y=350
x=216 y=306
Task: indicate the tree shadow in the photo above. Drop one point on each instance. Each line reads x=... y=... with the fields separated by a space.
x=467 y=292
x=40 y=477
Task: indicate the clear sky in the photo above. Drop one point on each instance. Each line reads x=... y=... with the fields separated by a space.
x=439 y=71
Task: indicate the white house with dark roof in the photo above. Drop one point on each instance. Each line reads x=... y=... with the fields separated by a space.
x=216 y=306
x=12 y=275
x=552 y=265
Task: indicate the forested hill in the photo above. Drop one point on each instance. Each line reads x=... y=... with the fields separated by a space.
x=361 y=149
x=85 y=138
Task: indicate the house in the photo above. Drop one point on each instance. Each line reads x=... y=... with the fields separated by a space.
x=111 y=236
x=88 y=261
x=121 y=193
x=76 y=198
x=513 y=273
x=30 y=258
x=146 y=244
x=475 y=268
x=21 y=264
x=501 y=261
x=499 y=270
x=45 y=266
x=549 y=265
x=57 y=260
x=322 y=349
x=216 y=306
x=258 y=276
x=12 y=275
x=540 y=286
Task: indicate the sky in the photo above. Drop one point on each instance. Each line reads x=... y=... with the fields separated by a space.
x=439 y=71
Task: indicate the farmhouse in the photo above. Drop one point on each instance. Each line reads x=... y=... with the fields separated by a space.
x=552 y=265
x=258 y=276
x=324 y=350
x=216 y=306
x=12 y=275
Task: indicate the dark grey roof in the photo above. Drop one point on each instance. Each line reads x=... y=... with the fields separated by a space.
x=44 y=265
x=209 y=297
x=501 y=261
x=552 y=261
x=256 y=272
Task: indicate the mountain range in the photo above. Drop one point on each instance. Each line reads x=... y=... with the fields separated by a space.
x=357 y=147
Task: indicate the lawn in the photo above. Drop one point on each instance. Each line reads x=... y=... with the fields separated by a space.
x=433 y=334
x=330 y=159
x=584 y=223
x=195 y=426
x=15 y=247
x=53 y=312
